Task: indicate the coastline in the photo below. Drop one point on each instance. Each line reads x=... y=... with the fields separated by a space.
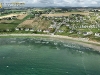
x=82 y=41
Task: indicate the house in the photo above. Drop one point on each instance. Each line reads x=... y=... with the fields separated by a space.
x=51 y=33
x=71 y=31
x=7 y=30
x=39 y=30
x=97 y=34
x=46 y=31
x=27 y=29
x=67 y=25
x=17 y=29
x=87 y=33
x=79 y=32
x=52 y=26
x=31 y=29
x=21 y=28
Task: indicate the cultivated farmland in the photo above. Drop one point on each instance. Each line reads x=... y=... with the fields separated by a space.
x=26 y=24
x=36 y=23
x=65 y=14
x=20 y=17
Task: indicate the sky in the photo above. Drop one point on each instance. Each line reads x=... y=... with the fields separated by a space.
x=73 y=3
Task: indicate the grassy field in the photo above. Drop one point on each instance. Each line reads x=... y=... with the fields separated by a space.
x=26 y=24
x=88 y=30
x=21 y=16
x=65 y=14
x=36 y=23
x=43 y=24
x=8 y=26
x=12 y=24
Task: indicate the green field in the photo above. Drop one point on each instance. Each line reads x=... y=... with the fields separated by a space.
x=13 y=24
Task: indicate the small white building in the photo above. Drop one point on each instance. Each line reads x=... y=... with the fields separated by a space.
x=87 y=33
x=71 y=31
x=31 y=29
x=39 y=30
x=46 y=31
x=17 y=29
x=97 y=34
x=52 y=26
x=7 y=30
x=22 y=28
x=27 y=29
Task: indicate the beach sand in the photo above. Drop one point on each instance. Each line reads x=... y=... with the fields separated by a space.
x=82 y=41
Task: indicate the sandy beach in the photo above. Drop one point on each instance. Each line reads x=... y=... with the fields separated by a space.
x=82 y=41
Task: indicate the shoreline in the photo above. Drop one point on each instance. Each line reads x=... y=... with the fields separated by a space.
x=82 y=41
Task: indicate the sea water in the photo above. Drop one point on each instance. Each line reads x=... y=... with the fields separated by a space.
x=30 y=56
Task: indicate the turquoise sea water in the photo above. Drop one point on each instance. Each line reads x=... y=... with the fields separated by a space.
x=29 y=56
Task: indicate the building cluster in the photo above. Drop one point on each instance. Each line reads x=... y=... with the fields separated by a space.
x=76 y=22
x=73 y=22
